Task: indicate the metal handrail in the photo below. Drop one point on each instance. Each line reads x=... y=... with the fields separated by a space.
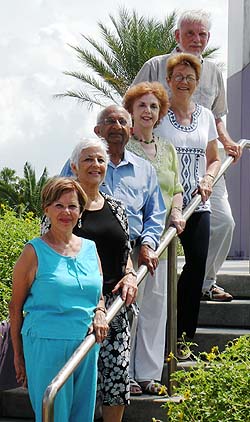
x=79 y=354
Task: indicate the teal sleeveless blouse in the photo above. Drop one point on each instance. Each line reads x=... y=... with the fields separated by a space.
x=64 y=293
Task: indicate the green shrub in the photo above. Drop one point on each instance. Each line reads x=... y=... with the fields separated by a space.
x=179 y=247
x=5 y=294
x=15 y=231
x=217 y=388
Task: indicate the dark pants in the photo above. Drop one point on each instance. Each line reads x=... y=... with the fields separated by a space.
x=195 y=241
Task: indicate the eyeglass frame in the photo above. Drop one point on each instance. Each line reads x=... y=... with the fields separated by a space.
x=112 y=121
x=188 y=78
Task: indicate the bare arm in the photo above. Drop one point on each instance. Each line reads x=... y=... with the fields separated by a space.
x=128 y=284
x=23 y=276
x=175 y=217
x=148 y=257
x=100 y=325
x=231 y=147
x=213 y=166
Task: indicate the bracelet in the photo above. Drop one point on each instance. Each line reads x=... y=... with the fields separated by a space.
x=101 y=308
x=130 y=271
x=210 y=175
x=148 y=246
x=177 y=208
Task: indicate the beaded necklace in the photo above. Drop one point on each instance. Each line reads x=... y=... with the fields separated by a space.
x=145 y=142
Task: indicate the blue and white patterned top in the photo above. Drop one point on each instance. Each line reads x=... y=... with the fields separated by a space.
x=190 y=143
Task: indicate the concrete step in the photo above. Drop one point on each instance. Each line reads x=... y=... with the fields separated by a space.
x=225 y=314
x=16 y=404
x=237 y=284
x=16 y=420
x=234 y=276
x=185 y=364
x=146 y=407
x=230 y=266
x=142 y=409
x=207 y=337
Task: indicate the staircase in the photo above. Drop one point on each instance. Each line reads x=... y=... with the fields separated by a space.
x=218 y=323
x=221 y=322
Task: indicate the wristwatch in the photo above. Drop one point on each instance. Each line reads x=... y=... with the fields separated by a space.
x=148 y=245
x=131 y=271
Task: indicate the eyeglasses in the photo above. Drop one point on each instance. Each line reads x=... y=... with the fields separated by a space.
x=113 y=121
x=180 y=78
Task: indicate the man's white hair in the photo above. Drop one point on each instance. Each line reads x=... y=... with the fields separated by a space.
x=195 y=16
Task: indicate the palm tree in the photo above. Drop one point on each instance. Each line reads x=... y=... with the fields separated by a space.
x=32 y=189
x=22 y=194
x=9 y=187
x=114 y=63
x=8 y=175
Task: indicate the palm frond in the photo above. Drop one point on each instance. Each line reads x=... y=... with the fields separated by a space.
x=113 y=62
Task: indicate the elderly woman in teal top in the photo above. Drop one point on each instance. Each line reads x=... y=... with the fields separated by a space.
x=56 y=300
x=148 y=103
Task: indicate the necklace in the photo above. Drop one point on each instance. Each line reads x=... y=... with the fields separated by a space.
x=64 y=248
x=145 y=142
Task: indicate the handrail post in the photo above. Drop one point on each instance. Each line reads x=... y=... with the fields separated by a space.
x=48 y=407
x=172 y=312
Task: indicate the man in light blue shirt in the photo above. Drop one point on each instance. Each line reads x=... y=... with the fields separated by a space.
x=133 y=180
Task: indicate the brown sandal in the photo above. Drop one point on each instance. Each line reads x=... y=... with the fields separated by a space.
x=151 y=387
x=135 y=389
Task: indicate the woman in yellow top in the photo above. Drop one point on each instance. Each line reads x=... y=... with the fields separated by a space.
x=148 y=103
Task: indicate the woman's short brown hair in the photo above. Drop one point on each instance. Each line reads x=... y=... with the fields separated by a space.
x=185 y=59
x=55 y=187
x=142 y=88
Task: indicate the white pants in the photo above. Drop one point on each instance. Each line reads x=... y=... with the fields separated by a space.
x=149 y=327
x=221 y=232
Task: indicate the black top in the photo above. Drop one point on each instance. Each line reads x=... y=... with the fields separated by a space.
x=111 y=242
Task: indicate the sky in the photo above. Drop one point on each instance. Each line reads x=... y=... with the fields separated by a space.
x=34 y=38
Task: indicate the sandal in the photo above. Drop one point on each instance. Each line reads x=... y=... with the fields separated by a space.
x=151 y=387
x=217 y=294
x=135 y=389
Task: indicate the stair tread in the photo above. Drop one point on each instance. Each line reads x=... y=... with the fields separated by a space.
x=5 y=419
x=244 y=301
x=155 y=399
x=228 y=267
x=222 y=330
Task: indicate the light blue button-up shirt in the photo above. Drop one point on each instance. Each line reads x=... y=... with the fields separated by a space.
x=135 y=183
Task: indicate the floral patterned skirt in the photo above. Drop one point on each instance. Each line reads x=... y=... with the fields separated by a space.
x=113 y=364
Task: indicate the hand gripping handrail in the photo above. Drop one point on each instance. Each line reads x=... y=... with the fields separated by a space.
x=79 y=354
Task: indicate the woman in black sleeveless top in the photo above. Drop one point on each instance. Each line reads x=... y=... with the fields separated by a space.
x=104 y=221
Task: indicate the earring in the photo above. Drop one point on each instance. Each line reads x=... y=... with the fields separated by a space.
x=47 y=222
x=79 y=223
